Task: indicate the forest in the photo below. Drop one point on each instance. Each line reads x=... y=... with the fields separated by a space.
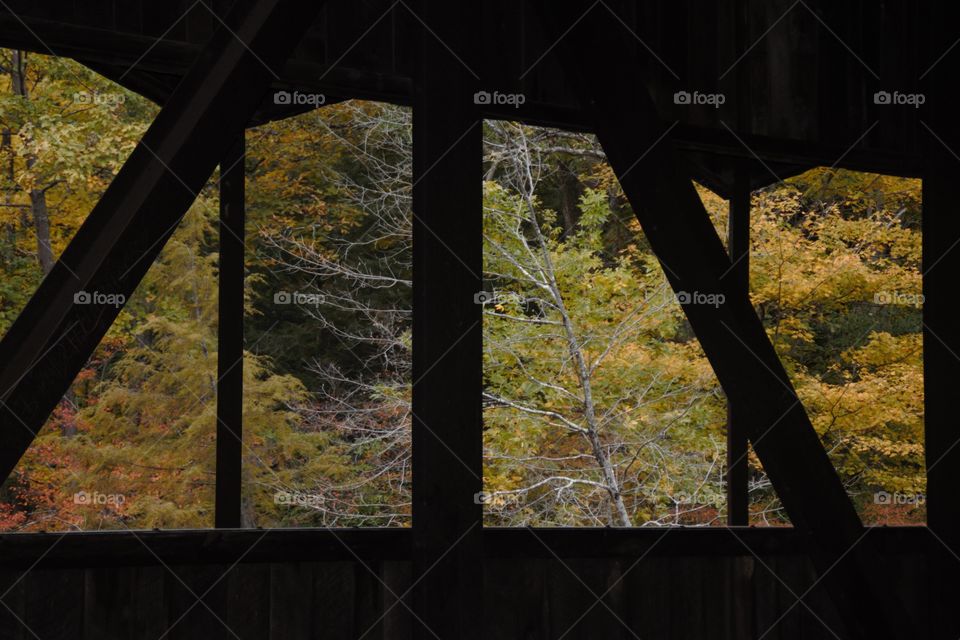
x=600 y=409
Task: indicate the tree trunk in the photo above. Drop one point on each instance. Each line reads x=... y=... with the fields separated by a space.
x=41 y=226
x=38 y=197
x=580 y=364
x=18 y=75
x=570 y=192
x=10 y=232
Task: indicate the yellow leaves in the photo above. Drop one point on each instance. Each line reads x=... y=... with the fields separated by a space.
x=857 y=192
x=886 y=350
x=606 y=178
x=717 y=207
x=11 y=214
x=885 y=447
x=793 y=328
x=825 y=279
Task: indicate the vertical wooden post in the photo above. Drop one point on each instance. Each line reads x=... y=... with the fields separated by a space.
x=941 y=332
x=738 y=247
x=447 y=331
x=941 y=370
x=230 y=338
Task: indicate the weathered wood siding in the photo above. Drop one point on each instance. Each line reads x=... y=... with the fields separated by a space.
x=675 y=586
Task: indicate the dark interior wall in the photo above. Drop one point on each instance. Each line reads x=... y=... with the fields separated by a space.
x=675 y=597
x=672 y=584
x=789 y=72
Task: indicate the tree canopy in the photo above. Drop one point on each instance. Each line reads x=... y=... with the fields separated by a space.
x=599 y=406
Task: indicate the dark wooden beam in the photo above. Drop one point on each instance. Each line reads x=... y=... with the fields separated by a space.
x=596 y=52
x=68 y=315
x=447 y=330
x=124 y=56
x=230 y=338
x=113 y=52
x=153 y=86
x=738 y=248
x=941 y=370
x=205 y=546
x=941 y=331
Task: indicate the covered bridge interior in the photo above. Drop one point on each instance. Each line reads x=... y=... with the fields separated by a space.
x=804 y=83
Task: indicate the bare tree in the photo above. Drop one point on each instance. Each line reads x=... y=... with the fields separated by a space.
x=587 y=460
x=358 y=285
x=616 y=467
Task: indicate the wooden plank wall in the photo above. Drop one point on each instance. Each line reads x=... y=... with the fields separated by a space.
x=668 y=597
x=813 y=67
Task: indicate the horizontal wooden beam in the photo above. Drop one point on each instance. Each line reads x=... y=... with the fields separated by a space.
x=114 y=53
x=208 y=546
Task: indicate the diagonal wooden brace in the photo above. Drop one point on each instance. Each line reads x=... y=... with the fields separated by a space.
x=595 y=53
x=75 y=304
